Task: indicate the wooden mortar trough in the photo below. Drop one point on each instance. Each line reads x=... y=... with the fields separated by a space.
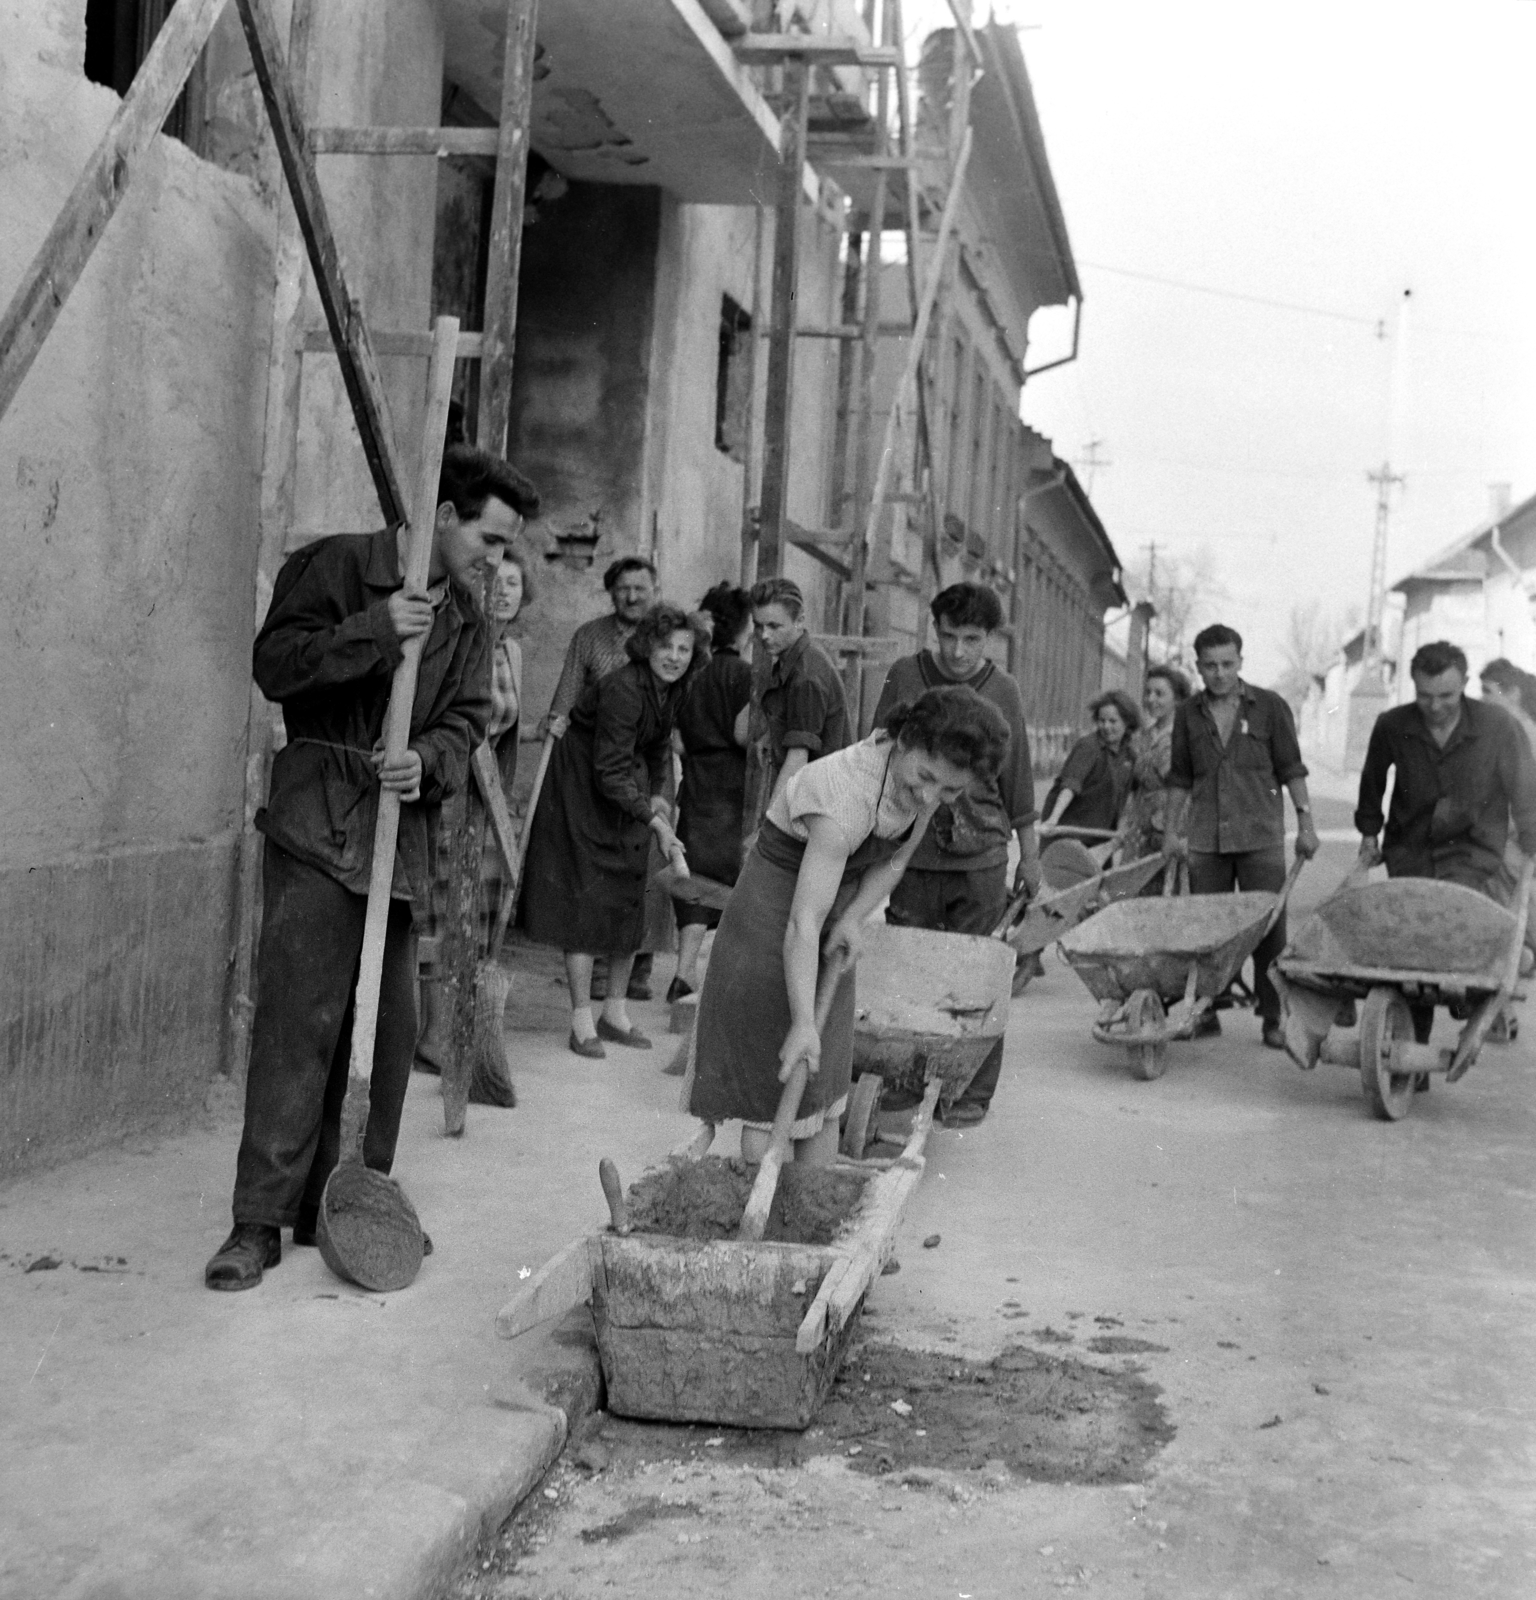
x=745 y=1335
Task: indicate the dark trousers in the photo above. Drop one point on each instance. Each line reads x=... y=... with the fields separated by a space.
x=301 y=1040
x=956 y=902
x=1248 y=870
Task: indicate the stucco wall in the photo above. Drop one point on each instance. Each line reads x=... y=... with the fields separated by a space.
x=130 y=462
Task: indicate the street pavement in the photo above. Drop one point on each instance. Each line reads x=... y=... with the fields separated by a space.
x=1345 y=1308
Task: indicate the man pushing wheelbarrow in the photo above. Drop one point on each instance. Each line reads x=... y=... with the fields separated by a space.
x=1234 y=747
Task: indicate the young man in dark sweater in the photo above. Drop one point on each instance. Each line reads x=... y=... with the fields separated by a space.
x=958 y=879
x=327 y=652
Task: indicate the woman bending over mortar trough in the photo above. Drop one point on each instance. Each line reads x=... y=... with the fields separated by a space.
x=836 y=840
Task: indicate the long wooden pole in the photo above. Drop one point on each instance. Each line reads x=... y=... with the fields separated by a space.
x=92 y=203
x=397 y=736
x=343 y=314
x=278 y=473
x=919 y=337
x=461 y=946
x=781 y=340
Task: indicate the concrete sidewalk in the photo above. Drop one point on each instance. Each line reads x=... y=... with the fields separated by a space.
x=303 y=1438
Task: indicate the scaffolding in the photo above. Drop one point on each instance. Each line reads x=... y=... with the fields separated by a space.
x=867 y=486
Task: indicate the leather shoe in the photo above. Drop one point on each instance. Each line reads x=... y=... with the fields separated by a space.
x=590 y=1048
x=678 y=990
x=250 y=1249
x=304 y=1229
x=632 y=1036
x=963 y=1114
x=1274 y=1036
x=1209 y=1025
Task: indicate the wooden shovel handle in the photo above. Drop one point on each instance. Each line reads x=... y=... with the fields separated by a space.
x=397 y=735
x=755 y=1218
x=613 y=1193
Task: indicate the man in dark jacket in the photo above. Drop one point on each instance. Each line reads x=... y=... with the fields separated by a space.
x=1464 y=774
x=1234 y=748
x=327 y=652
x=958 y=879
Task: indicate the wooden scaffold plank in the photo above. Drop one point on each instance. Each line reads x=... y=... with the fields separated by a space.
x=77 y=230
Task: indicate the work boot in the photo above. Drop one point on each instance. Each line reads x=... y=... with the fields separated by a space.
x=304 y=1228
x=249 y=1250
x=1208 y=1025
x=1274 y=1036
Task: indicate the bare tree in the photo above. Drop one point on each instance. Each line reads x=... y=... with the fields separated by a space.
x=1312 y=639
x=1183 y=591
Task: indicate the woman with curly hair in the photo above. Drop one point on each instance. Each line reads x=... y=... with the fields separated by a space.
x=835 y=842
x=1090 y=790
x=1165 y=690
x=602 y=800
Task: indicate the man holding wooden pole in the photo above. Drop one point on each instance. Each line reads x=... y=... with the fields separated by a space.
x=339 y=620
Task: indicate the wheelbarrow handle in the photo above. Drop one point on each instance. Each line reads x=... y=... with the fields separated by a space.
x=1285 y=892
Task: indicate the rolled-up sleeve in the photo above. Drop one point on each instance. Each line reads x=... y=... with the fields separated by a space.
x=1284 y=748
x=806 y=707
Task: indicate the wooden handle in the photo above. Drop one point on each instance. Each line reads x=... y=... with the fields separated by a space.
x=513 y=886
x=760 y=1202
x=397 y=735
x=613 y=1193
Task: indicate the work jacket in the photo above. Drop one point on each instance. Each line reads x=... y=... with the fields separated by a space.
x=327 y=654
x=1451 y=803
x=1235 y=802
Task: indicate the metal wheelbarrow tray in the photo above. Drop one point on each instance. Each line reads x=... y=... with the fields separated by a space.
x=748 y=1335
x=1054 y=913
x=1393 y=944
x=1155 y=966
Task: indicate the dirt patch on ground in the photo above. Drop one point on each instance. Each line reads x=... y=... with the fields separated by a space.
x=892 y=1410
x=705 y=1200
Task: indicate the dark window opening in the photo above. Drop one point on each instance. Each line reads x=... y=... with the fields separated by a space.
x=118 y=34
x=733 y=392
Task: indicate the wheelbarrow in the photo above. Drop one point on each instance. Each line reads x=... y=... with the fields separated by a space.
x=1391 y=946
x=930 y=1007
x=1156 y=966
x=1056 y=911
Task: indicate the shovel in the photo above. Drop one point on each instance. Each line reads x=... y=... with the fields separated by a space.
x=760 y=1202
x=368 y=1231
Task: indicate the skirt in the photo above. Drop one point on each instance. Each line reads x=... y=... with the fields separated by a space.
x=744 y=1015
x=584 y=881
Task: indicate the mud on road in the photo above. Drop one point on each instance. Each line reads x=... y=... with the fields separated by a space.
x=924 y=1434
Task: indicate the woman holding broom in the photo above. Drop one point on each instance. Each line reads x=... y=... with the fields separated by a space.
x=834 y=843
x=589 y=841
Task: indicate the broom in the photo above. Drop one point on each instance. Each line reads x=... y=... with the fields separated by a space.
x=490 y=1074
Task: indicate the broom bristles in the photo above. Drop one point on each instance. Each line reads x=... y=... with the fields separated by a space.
x=490 y=1074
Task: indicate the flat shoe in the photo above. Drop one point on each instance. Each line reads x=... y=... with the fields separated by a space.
x=678 y=990
x=963 y=1116
x=239 y=1262
x=633 y=1037
x=590 y=1048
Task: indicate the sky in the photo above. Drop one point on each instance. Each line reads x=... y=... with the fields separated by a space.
x=1327 y=157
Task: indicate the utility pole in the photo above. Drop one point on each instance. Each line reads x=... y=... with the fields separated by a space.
x=1091 y=461
x=1384 y=478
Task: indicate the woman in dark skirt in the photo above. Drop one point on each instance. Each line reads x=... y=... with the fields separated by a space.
x=834 y=844
x=1091 y=789
x=714 y=772
x=590 y=841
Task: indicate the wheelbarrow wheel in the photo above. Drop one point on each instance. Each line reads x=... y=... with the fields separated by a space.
x=863 y=1104
x=1384 y=1019
x=1144 y=1013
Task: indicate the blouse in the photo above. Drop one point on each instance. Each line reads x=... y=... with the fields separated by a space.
x=851 y=786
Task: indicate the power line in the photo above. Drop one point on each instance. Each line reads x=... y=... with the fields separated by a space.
x=1376 y=324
